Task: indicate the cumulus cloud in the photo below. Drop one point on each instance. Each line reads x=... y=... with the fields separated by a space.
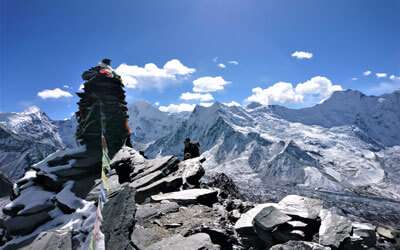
x=197 y=96
x=151 y=76
x=54 y=94
x=381 y=75
x=318 y=86
x=209 y=84
x=280 y=92
x=314 y=90
x=221 y=65
x=367 y=72
x=176 y=108
x=232 y=104
x=302 y=55
x=233 y=62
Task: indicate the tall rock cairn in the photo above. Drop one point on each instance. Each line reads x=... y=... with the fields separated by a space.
x=102 y=106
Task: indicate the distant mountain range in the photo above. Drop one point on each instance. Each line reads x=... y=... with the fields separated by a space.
x=350 y=143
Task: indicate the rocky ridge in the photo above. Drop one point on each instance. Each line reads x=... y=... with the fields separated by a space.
x=166 y=204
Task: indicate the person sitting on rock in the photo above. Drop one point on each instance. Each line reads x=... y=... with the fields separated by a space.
x=192 y=149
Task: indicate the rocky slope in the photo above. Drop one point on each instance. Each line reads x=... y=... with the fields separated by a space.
x=165 y=205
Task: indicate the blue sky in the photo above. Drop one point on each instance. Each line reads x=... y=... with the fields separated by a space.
x=46 y=44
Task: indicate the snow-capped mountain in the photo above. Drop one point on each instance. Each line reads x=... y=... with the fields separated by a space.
x=345 y=144
x=265 y=145
x=377 y=116
x=148 y=123
x=26 y=138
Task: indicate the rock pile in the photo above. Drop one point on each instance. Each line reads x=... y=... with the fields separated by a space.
x=165 y=205
x=102 y=94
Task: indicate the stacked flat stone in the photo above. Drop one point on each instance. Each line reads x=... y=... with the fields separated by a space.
x=103 y=94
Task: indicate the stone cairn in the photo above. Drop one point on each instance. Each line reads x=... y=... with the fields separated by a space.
x=102 y=104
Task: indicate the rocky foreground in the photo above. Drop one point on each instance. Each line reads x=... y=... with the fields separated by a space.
x=166 y=205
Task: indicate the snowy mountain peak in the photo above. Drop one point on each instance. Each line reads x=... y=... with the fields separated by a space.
x=32 y=109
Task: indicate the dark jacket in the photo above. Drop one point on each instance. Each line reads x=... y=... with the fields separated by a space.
x=193 y=148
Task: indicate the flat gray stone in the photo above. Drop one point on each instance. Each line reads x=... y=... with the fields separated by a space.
x=147 y=179
x=301 y=206
x=166 y=184
x=245 y=223
x=200 y=241
x=190 y=196
x=21 y=225
x=151 y=210
x=51 y=240
x=268 y=218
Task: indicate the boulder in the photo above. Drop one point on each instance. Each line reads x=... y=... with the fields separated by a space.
x=119 y=219
x=303 y=207
x=266 y=221
x=386 y=232
x=166 y=184
x=147 y=179
x=365 y=232
x=299 y=245
x=285 y=232
x=245 y=223
x=191 y=196
x=191 y=172
x=200 y=241
x=268 y=218
x=334 y=228
x=21 y=225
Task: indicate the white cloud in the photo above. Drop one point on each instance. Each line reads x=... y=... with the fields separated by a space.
x=197 y=96
x=393 y=77
x=318 y=86
x=209 y=84
x=367 y=72
x=151 y=76
x=176 y=108
x=280 y=92
x=354 y=78
x=53 y=93
x=221 y=65
x=381 y=75
x=206 y=104
x=215 y=59
x=232 y=104
x=302 y=55
x=314 y=90
x=157 y=103
x=81 y=87
x=66 y=86
x=233 y=62
x=384 y=88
